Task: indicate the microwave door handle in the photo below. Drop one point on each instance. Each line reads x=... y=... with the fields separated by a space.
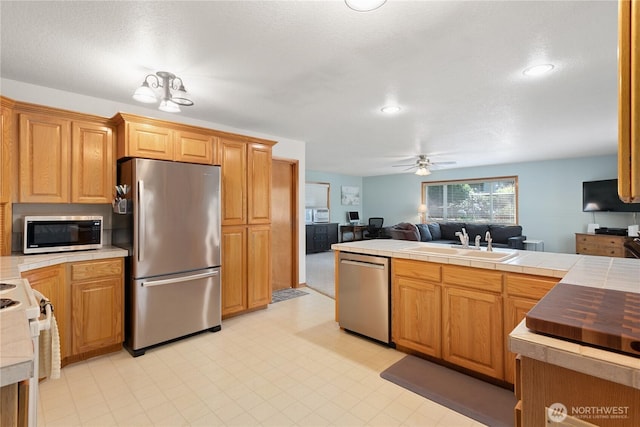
x=141 y=221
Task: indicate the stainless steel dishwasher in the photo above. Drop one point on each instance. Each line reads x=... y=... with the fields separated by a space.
x=364 y=299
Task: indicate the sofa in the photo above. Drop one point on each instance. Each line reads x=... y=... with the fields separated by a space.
x=503 y=236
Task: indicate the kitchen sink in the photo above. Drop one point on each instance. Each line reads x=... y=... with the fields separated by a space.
x=473 y=254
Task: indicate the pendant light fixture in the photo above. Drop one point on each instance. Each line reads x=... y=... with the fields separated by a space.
x=169 y=102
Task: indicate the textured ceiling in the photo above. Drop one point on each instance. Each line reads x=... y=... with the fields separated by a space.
x=319 y=72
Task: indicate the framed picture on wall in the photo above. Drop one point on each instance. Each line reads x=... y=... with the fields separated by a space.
x=350 y=195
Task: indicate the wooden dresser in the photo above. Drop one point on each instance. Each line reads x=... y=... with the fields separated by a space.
x=601 y=244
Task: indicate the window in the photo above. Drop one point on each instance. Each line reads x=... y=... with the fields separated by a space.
x=493 y=200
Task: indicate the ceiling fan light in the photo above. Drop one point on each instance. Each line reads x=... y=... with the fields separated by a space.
x=422 y=171
x=145 y=94
x=364 y=5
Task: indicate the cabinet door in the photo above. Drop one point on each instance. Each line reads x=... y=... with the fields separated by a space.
x=149 y=141
x=194 y=147
x=629 y=101
x=50 y=282
x=5 y=161
x=416 y=315
x=259 y=184
x=233 y=158
x=472 y=328
x=309 y=233
x=258 y=266
x=93 y=167
x=515 y=310
x=45 y=159
x=234 y=270
x=96 y=314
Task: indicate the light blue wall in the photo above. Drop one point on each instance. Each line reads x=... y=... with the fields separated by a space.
x=549 y=195
x=338 y=210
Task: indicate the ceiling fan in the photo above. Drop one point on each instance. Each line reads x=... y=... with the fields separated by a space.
x=423 y=165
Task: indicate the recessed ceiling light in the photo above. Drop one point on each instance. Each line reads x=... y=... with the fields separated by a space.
x=537 y=70
x=364 y=5
x=390 y=109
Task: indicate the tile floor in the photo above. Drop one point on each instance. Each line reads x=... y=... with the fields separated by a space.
x=288 y=365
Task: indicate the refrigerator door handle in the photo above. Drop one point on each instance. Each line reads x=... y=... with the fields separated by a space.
x=141 y=221
x=178 y=279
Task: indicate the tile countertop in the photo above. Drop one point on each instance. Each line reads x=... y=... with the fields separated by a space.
x=621 y=274
x=11 y=266
x=16 y=349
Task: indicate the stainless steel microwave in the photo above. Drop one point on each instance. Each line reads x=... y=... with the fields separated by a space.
x=61 y=233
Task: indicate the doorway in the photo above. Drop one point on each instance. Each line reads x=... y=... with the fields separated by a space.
x=284 y=224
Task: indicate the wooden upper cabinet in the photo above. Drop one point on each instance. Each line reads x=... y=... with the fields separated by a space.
x=64 y=161
x=45 y=155
x=156 y=139
x=629 y=101
x=233 y=157
x=93 y=165
x=259 y=183
x=145 y=140
x=6 y=128
x=194 y=147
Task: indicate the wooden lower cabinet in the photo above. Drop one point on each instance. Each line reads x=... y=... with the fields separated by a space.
x=51 y=282
x=88 y=301
x=522 y=292
x=590 y=401
x=258 y=266
x=246 y=268
x=96 y=305
x=418 y=327
x=416 y=308
x=472 y=330
x=461 y=314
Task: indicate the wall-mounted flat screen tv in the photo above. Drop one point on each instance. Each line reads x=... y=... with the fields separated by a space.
x=602 y=196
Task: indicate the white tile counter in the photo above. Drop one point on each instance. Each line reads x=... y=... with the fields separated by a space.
x=621 y=274
x=16 y=349
x=11 y=266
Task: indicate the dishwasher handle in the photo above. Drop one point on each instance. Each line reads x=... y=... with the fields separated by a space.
x=363 y=264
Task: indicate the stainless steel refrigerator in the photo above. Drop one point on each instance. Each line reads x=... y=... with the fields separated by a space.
x=171 y=227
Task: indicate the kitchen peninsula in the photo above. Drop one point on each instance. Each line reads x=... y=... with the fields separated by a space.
x=468 y=311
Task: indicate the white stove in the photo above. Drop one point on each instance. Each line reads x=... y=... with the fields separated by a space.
x=16 y=294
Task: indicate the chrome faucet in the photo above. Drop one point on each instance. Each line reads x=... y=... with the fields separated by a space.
x=478 y=237
x=488 y=238
x=464 y=238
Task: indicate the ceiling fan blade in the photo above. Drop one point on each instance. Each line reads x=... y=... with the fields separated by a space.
x=400 y=166
x=443 y=163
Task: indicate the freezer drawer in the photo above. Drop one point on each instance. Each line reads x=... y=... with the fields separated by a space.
x=164 y=308
x=364 y=295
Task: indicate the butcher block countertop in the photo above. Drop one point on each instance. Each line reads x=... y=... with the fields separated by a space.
x=602 y=273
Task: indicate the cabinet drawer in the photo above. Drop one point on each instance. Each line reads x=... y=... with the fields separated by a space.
x=416 y=269
x=472 y=278
x=93 y=269
x=534 y=287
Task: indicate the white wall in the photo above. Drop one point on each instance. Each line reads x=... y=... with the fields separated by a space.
x=285 y=148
